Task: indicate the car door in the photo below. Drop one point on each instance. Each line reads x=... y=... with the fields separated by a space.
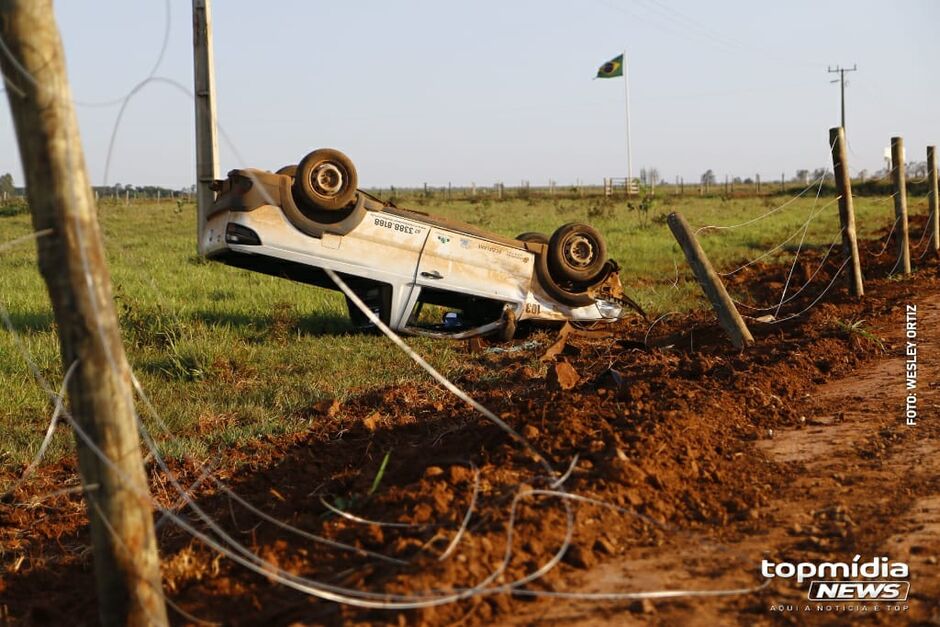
x=455 y=261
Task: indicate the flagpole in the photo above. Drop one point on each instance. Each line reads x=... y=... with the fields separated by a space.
x=626 y=100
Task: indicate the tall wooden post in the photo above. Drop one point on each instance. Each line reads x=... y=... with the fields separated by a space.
x=900 y=202
x=840 y=168
x=728 y=316
x=933 y=201
x=207 y=143
x=72 y=263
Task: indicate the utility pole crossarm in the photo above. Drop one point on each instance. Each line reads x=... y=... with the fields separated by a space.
x=841 y=80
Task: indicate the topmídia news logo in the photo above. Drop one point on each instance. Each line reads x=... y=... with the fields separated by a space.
x=875 y=580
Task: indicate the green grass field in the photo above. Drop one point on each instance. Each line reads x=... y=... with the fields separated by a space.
x=228 y=355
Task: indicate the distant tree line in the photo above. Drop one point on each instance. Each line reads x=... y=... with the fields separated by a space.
x=8 y=187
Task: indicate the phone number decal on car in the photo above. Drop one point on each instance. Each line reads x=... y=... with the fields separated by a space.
x=516 y=255
x=408 y=229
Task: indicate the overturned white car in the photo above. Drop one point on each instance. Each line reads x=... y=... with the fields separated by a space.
x=300 y=220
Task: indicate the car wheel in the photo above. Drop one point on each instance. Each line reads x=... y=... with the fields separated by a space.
x=288 y=170
x=531 y=236
x=326 y=180
x=576 y=253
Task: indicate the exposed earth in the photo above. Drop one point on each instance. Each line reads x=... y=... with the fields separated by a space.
x=709 y=460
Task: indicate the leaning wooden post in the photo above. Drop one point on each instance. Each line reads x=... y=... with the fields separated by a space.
x=900 y=202
x=933 y=201
x=72 y=263
x=840 y=168
x=731 y=321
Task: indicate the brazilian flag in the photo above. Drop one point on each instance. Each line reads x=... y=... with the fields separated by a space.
x=612 y=68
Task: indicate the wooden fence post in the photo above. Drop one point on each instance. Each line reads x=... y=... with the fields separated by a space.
x=933 y=202
x=728 y=316
x=900 y=202
x=72 y=263
x=840 y=168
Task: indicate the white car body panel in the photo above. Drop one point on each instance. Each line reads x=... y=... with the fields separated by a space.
x=406 y=254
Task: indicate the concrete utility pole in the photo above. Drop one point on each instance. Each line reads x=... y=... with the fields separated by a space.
x=72 y=263
x=207 y=143
x=841 y=80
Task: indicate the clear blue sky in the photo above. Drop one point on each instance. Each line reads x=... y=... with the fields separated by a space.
x=489 y=91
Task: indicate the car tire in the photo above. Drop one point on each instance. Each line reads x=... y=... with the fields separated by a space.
x=532 y=236
x=576 y=253
x=288 y=170
x=325 y=180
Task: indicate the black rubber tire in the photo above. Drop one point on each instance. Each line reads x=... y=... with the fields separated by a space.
x=532 y=236
x=563 y=263
x=311 y=194
x=314 y=222
x=548 y=284
x=288 y=170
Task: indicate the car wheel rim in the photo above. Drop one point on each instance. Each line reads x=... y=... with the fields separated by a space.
x=579 y=251
x=327 y=179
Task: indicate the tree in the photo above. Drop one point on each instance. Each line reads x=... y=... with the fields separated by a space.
x=802 y=176
x=822 y=174
x=72 y=263
x=708 y=178
x=917 y=169
x=6 y=185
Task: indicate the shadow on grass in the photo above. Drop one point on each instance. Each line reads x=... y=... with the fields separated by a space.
x=31 y=321
x=276 y=323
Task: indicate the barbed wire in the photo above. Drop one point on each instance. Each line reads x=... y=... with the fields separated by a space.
x=888 y=238
x=796 y=257
x=714 y=227
x=793 y=296
x=818 y=298
x=802 y=228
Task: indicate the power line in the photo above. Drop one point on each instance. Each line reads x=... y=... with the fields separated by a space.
x=841 y=81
